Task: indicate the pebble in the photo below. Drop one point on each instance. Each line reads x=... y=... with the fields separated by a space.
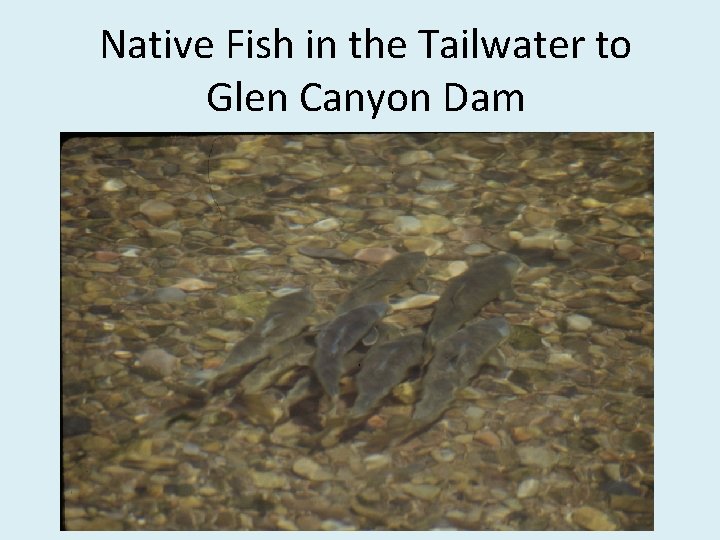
x=470 y=234
x=106 y=256
x=194 y=284
x=563 y=359
x=550 y=173
x=414 y=302
x=164 y=237
x=104 y=267
x=234 y=164
x=631 y=503
x=617 y=319
x=159 y=360
x=426 y=201
x=635 y=206
x=408 y=225
x=285 y=431
x=454 y=268
x=336 y=525
x=477 y=250
x=542 y=240
x=96 y=443
x=426 y=492
x=307 y=468
x=488 y=438
x=158 y=212
x=376 y=461
x=622 y=297
x=130 y=251
x=592 y=203
x=578 y=323
x=436 y=186
x=630 y=252
x=528 y=488
x=537 y=456
x=433 y=224
x=414 y=156
x=538 y=218
x=430 y=246
x=228 y=336
x=405 y=393
x=285 y=524
x=563 y=244
x=593 y=519
x=383 y=215
x=268 y=480
x=114 y=184
x=375 y=255
x=306 y=170
x=474 y=416
x=442 y=455
x=327 y=225
x=254 y=254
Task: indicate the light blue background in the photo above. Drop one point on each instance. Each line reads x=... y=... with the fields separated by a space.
x=54 y=79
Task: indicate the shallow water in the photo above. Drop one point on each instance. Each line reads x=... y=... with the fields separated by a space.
x=172 y=247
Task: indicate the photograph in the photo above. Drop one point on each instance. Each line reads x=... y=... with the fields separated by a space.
x=427 y=331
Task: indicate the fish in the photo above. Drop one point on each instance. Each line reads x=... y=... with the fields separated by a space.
x=466 y=294
x=385 y=366
x=337 y=338
x=389 y=279
x=284 y=319
x=284 y=357
x=455 y=362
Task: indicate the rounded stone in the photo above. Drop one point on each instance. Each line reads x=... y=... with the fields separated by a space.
x=432 y=224
x=537 y=456
x=414 y=156
x=159 y=360
x=307 y=468
x=528 y=488
x=158 y=212
x=443 y=455
x=327 y=225
x=593 y=519
x=634 y=206
x=408 y=225
x=114 y=184
x=542 y=240
x=430 y=246
x=477 y=250
x=375 y=255
x=578 y=323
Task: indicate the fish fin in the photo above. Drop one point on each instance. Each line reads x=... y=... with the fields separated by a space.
x=459 y=296
x=268 y=325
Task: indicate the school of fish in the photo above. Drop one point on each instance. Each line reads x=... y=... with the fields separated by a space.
x=285 y=351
